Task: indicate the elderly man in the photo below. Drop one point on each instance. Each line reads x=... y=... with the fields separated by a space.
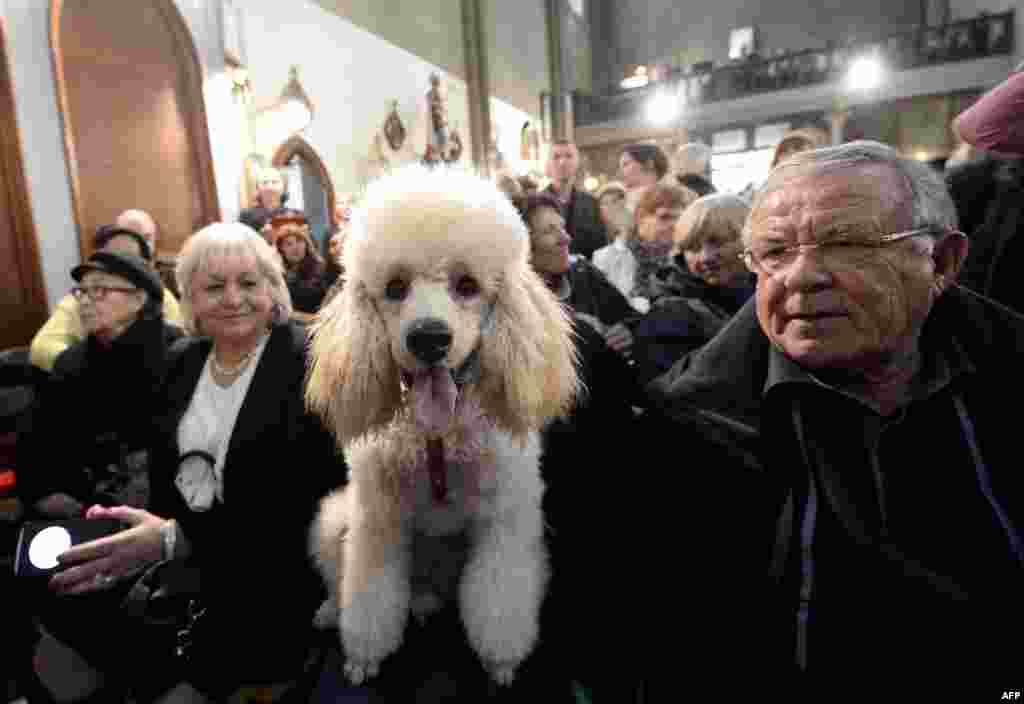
x=856 y=398
x=579 y=209
x=64 y=327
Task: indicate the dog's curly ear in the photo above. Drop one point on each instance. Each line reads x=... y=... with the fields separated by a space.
x=529 y=357
x=353 y=382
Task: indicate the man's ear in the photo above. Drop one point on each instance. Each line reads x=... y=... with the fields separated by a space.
x=949 y=255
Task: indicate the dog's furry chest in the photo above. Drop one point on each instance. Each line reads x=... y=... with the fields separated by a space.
x=469 y=476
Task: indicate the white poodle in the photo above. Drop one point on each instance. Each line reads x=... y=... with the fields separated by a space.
x=436 y=367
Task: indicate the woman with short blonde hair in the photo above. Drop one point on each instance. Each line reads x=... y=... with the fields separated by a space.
x=708 y=237
x=237 y=468
x=699 y=287
x=224 y=240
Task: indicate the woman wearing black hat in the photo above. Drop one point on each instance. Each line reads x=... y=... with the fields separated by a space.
x=94 y=412
x=64 y=327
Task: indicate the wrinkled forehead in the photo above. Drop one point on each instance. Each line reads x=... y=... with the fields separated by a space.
x=863 y=195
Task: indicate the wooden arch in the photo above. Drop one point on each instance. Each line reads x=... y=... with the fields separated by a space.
x=156 y=150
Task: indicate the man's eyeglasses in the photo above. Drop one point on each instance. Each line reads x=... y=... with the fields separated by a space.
x=771 y=259
x=98 y=293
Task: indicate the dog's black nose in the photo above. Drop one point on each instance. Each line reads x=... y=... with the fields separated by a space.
x=429 y=339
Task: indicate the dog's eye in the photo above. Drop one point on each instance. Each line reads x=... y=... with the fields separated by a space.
x=467 y=287
x=396 y=290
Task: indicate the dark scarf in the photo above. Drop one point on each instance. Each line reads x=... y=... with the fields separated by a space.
x=675 y=280
x=650 y=256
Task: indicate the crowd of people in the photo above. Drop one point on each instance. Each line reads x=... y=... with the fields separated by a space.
x=802 y=389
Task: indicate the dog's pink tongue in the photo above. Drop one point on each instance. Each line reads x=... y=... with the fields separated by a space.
x=435 y=393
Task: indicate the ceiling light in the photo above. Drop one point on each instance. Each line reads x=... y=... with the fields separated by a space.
x=865 y=74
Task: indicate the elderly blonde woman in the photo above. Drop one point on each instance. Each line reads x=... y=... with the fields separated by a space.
x=237 y=469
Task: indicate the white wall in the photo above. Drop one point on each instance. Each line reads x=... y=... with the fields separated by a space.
x=507 y=123
x=42 y=141
x=352 y=77
x=517 y=51
x=223 y=113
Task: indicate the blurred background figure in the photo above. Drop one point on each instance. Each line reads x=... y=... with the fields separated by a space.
x=579 y=208
x=271 y=195
x=656 y=216
x=303 y=265
x=334 y=269
x=691 y=165
x=615 y=260
x=988 y=191
x=641 y=166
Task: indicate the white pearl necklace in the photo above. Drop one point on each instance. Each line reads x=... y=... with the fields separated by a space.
x=235 y=370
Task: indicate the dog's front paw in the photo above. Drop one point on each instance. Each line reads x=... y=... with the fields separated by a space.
x=503 y=672
x=358 y=672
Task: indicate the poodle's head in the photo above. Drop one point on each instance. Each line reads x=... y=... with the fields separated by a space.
x=439 y=303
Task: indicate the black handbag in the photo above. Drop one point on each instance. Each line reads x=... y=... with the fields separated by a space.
x=163 y=608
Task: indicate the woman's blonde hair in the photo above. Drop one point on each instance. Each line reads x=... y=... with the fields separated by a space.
x=721 y=214
x=226 y=239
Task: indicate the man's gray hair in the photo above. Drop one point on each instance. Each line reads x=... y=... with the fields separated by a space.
x=930 y=203
x=225 y=239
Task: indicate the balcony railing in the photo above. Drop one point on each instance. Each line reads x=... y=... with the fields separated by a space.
x=980 y=37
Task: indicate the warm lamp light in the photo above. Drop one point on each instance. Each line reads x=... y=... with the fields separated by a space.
x=638 y=80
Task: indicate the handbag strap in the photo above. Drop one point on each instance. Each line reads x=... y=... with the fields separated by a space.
x=134 y=604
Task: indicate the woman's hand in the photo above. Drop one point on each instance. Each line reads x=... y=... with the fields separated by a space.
x=95 y=565
x=620 y=339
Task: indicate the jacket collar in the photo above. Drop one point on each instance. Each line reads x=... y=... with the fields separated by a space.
x=729 y=377
x=252 y=417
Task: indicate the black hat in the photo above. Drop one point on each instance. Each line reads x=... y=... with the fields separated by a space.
x=126 y=266
x=105 y=233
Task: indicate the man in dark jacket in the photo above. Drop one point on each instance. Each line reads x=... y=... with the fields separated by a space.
x=579 y=209
x=856 y=393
